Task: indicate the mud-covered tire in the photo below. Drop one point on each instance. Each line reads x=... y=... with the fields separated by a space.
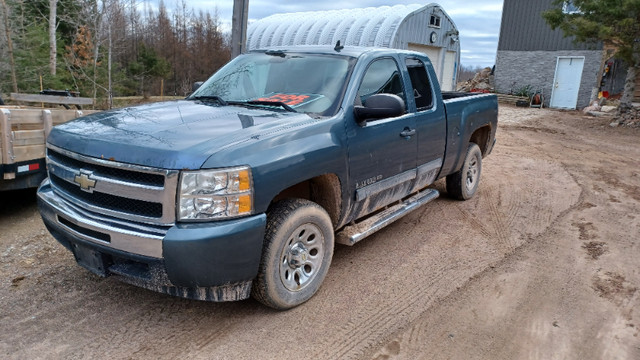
x=463 y=184
x=296 y=254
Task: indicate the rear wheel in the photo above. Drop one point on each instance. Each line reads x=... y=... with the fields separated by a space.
x=296 y=254
x=463 y=184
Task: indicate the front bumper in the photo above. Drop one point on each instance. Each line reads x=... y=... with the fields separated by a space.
x=214 y=261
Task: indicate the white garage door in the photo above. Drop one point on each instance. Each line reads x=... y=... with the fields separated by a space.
x=434 y=55
x=449 y=70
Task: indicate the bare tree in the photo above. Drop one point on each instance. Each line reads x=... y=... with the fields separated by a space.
x=7 y=30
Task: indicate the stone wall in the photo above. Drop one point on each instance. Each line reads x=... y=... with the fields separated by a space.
x=517 y=69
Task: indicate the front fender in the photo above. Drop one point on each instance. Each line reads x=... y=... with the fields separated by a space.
x=282 y=159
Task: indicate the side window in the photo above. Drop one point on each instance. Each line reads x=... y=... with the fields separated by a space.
x=420 y=82
x=382 y=76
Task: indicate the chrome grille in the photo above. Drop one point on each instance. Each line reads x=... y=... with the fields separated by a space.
x=125 y=191
x=120 y=174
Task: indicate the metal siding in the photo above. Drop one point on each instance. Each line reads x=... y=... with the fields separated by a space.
x=415 y=29
x=524 y=29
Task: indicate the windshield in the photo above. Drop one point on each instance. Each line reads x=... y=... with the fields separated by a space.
x=307 y=83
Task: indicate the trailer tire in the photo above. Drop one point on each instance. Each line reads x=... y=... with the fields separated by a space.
x=463 y=184
x=296 y=254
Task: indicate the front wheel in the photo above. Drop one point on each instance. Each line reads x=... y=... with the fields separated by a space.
x=463 y=184
x=296 y=255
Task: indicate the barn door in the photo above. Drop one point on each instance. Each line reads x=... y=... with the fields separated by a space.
x=566 y=83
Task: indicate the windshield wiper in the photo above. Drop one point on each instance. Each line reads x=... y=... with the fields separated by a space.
x=220 y=100
x=264 y=102
x=272 y=103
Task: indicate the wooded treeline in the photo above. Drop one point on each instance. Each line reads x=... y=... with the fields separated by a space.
x=117 y=47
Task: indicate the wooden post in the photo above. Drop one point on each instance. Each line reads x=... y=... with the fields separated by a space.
x=239 y=27
x=161 y=89
x=7 y=141
x=47 y=119
x=41 y=90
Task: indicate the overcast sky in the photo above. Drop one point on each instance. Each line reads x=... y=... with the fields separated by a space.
x=477 y=21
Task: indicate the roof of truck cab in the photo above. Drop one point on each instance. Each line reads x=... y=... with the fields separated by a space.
x=352 y=51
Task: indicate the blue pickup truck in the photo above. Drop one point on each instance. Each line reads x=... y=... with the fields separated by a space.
x=243 y=188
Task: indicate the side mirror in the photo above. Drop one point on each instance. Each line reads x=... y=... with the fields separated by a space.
x=379 y=106
x=196 y=85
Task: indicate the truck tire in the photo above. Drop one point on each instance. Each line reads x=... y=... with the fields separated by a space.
x=463 y=184
x=296 y=254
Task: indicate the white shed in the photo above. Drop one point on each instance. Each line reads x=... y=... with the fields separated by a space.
x=424 y=28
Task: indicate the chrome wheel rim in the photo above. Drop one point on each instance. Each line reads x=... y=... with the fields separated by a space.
x=472 y=174
x=301 y=257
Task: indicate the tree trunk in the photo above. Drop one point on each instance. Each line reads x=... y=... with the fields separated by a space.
x=629 y=90
x=109 y=69
x=9 y=45
x=53 y=50
x=96 y=47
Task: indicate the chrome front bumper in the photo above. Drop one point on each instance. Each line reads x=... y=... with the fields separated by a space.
x=135 y=238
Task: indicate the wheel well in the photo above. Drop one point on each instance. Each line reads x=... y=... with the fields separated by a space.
x=324 y=190
x=481 y=138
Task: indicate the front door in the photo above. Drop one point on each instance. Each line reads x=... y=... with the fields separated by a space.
x=382 y=162
x=566 y=84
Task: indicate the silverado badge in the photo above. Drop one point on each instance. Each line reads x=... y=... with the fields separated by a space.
x=83 y=178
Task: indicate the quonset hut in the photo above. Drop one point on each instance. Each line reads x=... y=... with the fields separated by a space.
x=427 y=29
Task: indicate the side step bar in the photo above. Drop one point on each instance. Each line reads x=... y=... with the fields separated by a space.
x=351 y=234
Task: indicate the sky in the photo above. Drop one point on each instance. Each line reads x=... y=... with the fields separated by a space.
x=477 y=21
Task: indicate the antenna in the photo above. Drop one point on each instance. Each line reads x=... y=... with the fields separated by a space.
x=338 y=47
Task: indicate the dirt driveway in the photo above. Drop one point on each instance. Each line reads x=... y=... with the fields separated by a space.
x=542 y=264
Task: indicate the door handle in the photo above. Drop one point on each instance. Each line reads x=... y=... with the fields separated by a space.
x=407 y=133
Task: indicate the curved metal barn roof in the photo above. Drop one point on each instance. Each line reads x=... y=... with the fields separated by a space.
x=354 y=27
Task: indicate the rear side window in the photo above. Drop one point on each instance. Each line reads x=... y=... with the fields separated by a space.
x=421 y=85
x=382 y=76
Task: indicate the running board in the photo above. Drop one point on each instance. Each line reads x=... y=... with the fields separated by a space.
x=351 y=234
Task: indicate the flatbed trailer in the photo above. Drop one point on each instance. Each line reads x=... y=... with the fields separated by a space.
x=23 y=134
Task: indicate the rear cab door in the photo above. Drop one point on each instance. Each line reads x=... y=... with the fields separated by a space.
x=425 y=102
x=382 y=162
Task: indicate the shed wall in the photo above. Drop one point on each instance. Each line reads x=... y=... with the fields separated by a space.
x=517 y=69
x=414 y=34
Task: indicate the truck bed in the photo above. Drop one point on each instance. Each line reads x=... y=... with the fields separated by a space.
x=466 y=112
x=448 y=95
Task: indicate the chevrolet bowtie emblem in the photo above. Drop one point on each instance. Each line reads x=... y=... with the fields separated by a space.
x=83 y=178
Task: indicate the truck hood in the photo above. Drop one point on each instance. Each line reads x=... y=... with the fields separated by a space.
x=170 y=135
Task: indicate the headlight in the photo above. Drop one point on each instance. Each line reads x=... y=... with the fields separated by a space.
x=215 y=194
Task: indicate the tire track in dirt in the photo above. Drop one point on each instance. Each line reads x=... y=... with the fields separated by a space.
x=365 y=328
x=366 y=325
x=502 y=231
x=497 y=218
x=493 y=220
x=477 y=225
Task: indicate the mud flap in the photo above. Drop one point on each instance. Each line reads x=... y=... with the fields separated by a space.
x=90 y=259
